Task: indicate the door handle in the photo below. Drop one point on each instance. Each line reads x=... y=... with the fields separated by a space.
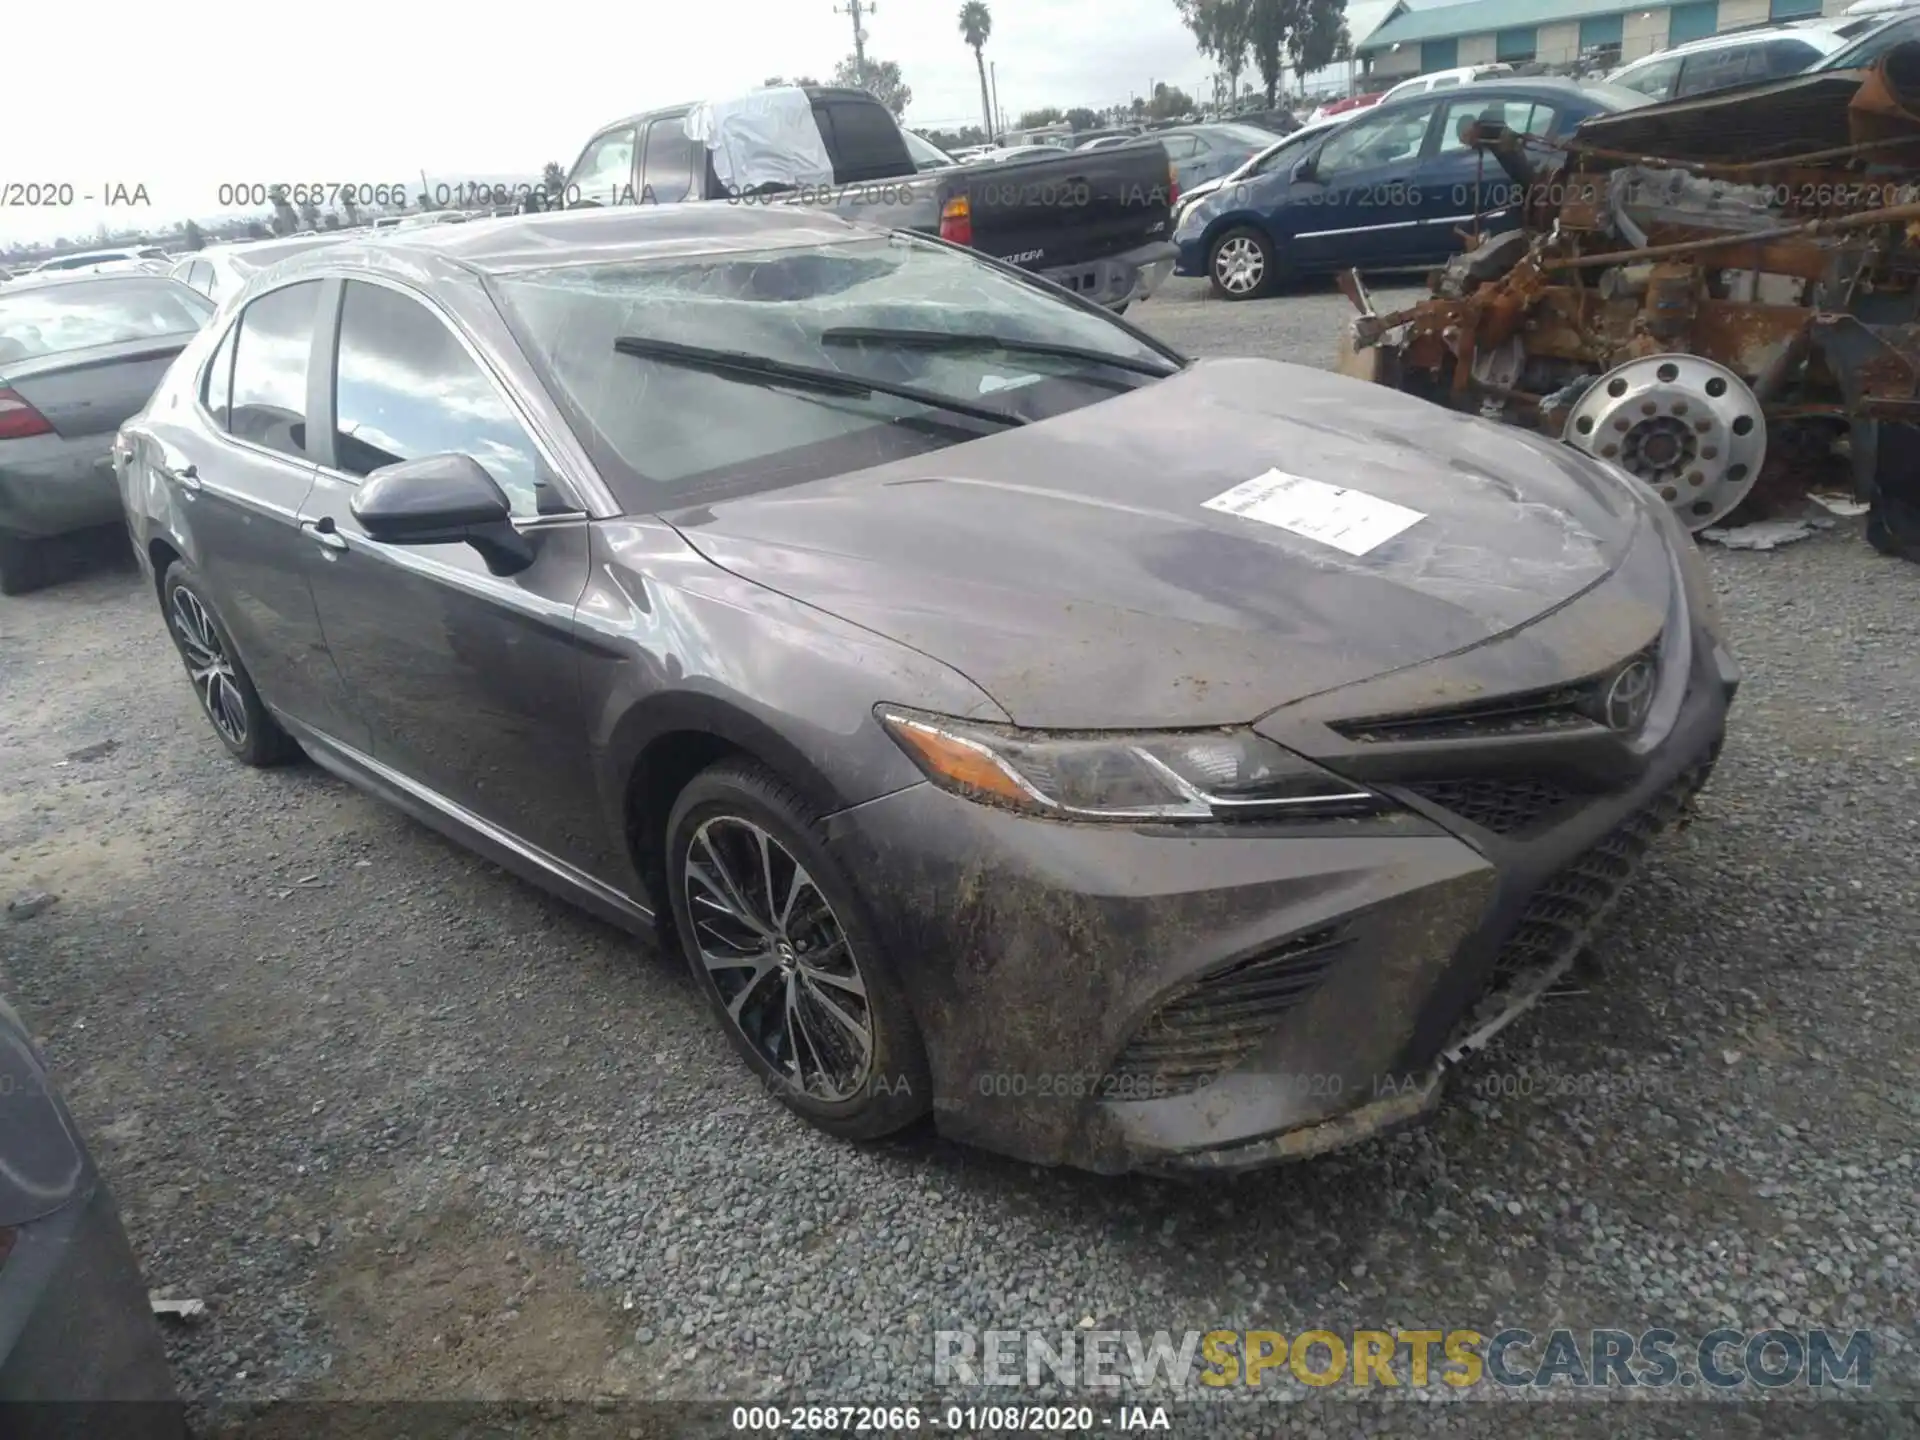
x=187 y=479
x=322 y=531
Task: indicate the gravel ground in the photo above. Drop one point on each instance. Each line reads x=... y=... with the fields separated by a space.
x=414 y=1129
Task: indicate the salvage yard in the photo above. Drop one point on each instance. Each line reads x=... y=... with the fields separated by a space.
x=411 y=1128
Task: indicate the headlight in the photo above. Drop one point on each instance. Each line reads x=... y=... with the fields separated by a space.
x=1149 y=775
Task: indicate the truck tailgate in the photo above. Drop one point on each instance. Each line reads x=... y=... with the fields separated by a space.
x=1084 y=205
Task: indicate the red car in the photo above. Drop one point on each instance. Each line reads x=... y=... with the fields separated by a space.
x=1341 y=107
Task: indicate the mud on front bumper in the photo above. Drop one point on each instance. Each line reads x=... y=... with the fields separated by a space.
x=1209 y=1000
x=1532 y=951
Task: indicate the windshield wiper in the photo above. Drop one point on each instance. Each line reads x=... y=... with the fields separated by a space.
x=948 y=340
x=761 y=370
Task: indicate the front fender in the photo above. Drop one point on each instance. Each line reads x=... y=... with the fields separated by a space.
x=673 y=644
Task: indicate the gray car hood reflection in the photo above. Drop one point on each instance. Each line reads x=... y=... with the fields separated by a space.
x=1070 y=569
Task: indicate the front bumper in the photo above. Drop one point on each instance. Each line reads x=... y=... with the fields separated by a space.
x=1043 y=960
x=1116 y=280
x=50 y=485
x=80 y=1354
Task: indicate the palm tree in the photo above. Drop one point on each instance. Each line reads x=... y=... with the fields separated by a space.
x=975 y=26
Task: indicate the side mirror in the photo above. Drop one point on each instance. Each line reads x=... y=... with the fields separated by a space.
x=1304 y=169
x=442 y=500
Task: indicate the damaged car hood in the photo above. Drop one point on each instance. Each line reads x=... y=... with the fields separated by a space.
x=1073 y=569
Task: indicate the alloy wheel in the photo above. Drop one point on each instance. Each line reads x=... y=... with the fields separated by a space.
x=209 y=667
x=1239 y=266
x=779 y=957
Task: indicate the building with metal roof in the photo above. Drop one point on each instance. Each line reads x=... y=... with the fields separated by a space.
x=1415 y=39
x=1363 y=18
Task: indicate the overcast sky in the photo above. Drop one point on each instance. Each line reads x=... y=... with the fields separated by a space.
x=181 y=100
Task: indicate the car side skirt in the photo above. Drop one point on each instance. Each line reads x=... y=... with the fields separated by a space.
x=482 y=836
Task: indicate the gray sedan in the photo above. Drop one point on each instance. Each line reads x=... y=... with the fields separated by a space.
x=941 y=666
x=1206 y=152
x=77 y=357
x=79 y=1352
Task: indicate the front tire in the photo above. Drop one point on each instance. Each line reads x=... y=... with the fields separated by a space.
x=1241 y=264
x=225 y=690
x=779 y=943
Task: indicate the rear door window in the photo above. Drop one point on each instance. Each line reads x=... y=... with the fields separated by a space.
x=1527 y=117
x=1784 y=57
x=216 y=386
x=863 y=140
x=1714 y=69
x=668 y=169
x=269 y=404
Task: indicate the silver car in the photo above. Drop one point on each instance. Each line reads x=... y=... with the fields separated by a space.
x=219 y=270
x=1205 y=152
x=78 y=356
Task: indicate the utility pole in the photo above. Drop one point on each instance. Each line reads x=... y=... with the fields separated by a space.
x=999 y=116
x=855 y=9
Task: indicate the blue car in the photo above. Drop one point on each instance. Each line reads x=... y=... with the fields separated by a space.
x=1386 y=190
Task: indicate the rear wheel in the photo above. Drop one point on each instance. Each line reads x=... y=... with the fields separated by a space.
x=225 y=690
x=1241 y=264
x=778 y=942
x=23 y=565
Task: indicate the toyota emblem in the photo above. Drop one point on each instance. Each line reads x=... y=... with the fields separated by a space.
x=1630 y=696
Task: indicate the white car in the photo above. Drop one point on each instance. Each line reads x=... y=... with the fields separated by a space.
x=1445 y=79
x=126 y=257
x=1738 y=58
x=218 y=270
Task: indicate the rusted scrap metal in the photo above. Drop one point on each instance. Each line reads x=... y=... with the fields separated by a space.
x=1724 y=327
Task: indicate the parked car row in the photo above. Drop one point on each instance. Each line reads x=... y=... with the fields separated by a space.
x=1747 y=55
x=80 y=352
x=1385 y=188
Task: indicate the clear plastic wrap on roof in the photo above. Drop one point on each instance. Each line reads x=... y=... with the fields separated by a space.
x=766 y=138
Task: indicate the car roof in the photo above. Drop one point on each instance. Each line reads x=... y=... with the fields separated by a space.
x=512 y=243
x=1530 y=87
x=55 y=279
x=1815 y=32
x=813 y=92
x=293 y=244
x=1884 y=21
x=111 y=252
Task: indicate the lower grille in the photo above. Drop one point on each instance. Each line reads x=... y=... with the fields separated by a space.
x=1564 y=910
x=1212 y=1024
x=1503 y=805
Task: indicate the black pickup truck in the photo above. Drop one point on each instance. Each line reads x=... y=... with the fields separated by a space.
x=1096 y=222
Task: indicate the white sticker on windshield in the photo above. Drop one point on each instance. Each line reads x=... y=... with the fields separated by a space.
x=1348 y=520
x=991 y=383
